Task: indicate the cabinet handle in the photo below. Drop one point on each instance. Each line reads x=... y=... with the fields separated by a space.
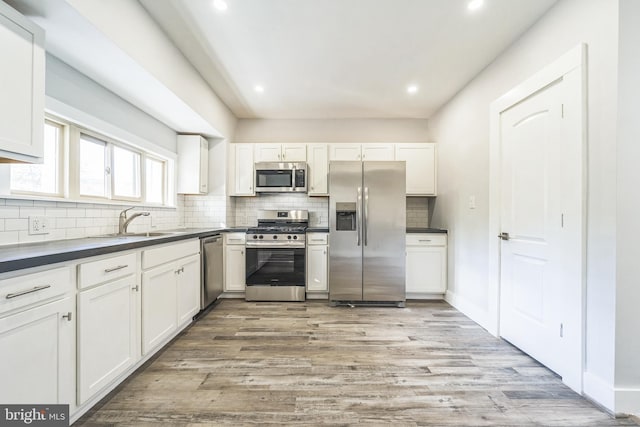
x=241 y=252
x=427 y=240
x=120 y=267
x=67 y=316
x=317 y=240
x=180 y=270
x=324 y=252
x=135 y=288
x=28 y=291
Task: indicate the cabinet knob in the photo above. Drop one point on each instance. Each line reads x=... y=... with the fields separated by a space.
x=67 y=316
x=135 y=288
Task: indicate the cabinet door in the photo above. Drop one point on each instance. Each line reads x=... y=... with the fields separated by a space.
x=317 y=268
x=234 y=268
x=373 y=152
x=37 y=350
x=159 y=312
x=344 y=152
x=318 y=169
x=21 y=86
x=421 y=167
x=244 y=170
x=426 y=269
x=106 y=334
x=188 y=288
x=267 y=153
x=294 y=152
x=204 y=166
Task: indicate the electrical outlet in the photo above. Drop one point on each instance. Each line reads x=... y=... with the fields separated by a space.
x=38 y=225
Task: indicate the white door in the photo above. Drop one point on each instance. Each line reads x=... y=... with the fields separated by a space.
x=188 y=290
x=374 y=152
x=37 y=353
x=159 y=308
x=244 y=170
x=267 y=153
x=421 y=167
x=106 y=334
x=317 y=268
x=344 y=152
x=294 y=152
x=531 y=260
x=234 y=268
x=318 y=169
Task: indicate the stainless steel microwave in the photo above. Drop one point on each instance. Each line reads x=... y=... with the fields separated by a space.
x=275 y=177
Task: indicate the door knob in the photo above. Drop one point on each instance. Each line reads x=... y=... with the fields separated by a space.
x=503 y=236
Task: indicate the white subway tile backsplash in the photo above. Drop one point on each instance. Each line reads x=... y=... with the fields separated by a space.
x=9 y=212
x=16 y=224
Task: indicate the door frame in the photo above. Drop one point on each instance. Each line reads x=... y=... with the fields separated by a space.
x=574 y=60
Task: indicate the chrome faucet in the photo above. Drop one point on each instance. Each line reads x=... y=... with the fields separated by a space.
x=123 y=221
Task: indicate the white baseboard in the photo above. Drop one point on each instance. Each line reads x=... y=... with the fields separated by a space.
x=469 y=309
x=425 y=296
x=627 y=401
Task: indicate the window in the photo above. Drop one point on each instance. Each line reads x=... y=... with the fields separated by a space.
x=154 y=180
x=100 y=168
x=94 y=168
x=42 y=178
x=126 y=173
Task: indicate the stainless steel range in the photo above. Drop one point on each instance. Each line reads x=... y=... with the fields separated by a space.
x=275 y=259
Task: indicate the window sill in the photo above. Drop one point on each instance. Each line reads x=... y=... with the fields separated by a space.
x=84 y=201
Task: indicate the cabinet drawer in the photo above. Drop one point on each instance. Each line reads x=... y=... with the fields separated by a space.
x=317 y=238
x=170 y=252
x=22 y=291
x=439 y=239
x=234 y=238
x=94 y=272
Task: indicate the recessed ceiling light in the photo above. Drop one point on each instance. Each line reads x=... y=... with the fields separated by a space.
x=259 y=88
x=411 y=89
x=475 y=4
x=221 y=5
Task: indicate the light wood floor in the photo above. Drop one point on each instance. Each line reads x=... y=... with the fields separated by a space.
x=311 y=364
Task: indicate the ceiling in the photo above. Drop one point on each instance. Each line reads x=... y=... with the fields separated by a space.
x=341 y=58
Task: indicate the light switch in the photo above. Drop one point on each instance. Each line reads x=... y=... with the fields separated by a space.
x=472 y=202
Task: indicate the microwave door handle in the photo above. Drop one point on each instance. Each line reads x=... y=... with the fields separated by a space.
x=293 y=178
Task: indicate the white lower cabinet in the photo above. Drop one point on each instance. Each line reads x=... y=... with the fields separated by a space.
x=317 y=262
x=37 y=338
x=234 y=262
x=170 y=291
x=107 y=334
x=426 y=265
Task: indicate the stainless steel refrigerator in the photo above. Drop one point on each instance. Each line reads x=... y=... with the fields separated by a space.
x=367 y=226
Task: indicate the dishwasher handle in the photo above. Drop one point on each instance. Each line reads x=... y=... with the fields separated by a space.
x=211 y=239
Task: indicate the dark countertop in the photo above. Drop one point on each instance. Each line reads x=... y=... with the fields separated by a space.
x=425 y=230
x=317 y=229
x=27 y=255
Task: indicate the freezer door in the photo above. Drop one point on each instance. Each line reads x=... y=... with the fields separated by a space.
x=384 y=228
x=345 y=223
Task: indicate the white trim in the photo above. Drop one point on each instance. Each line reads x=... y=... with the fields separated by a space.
x=469 y=309
x=627 y=401
x=575 y=59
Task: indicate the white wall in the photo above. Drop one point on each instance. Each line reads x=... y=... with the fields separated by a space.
x=332 y=130
x=461 y=129
x=73 y=88
x=627 y=375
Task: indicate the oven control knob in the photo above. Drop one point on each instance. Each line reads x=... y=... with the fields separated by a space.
x=275 y=237
x=255 y=237
x=261 y=237
x=289 y=237
x=295 y=237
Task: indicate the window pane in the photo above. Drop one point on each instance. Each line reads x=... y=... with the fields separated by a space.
x=126 y=173
x=41 y=178
x=154 y=181
x=93 y=179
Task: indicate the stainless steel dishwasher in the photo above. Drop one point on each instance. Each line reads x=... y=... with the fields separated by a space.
x=211 y=286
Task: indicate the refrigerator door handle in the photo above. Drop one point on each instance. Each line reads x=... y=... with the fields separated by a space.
x=365 y=230
x=358 y=202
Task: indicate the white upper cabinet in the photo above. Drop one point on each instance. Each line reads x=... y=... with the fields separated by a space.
x=280 y=152
x=22 y=87
x=421 y=167
x=345 y=152
x=241 y=170
x=372 y=152
x=193 y=164
x=318 y=170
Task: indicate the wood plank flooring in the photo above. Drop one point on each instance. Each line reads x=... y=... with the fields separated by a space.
x=310 y=364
